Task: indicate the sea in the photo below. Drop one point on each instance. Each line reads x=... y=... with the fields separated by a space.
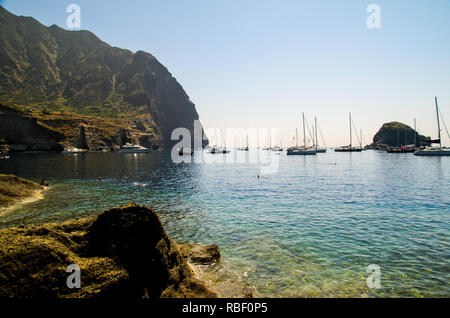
x=367 y=224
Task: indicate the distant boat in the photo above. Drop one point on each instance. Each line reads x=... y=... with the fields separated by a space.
x=185 y=151
x=404 y=148
x=269 y=147
x=131 y=148
x=215 y=150
x=349 y=148
x=276 y=148
x=246 y=147
x=73 y=150
x=301 y=151
x=435 y=151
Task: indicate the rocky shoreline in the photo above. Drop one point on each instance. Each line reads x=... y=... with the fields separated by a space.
x=123 y=252
x=14 y=190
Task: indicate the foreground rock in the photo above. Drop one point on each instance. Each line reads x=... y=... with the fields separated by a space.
x=14 y=189
x=123 y=252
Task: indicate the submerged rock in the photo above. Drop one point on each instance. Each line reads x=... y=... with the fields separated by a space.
x=200 y=254
x=123 y=252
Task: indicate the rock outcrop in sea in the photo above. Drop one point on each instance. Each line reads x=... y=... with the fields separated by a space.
x=395 y=134
x=124 y=252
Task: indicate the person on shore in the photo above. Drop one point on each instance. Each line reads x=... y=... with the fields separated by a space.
x=44 y=183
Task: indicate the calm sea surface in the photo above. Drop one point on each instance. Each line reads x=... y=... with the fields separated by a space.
x=310 y=229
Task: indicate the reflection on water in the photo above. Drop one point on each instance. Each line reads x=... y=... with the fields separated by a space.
x=311 y=229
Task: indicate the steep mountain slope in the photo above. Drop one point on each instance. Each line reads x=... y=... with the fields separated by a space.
x=49 y=69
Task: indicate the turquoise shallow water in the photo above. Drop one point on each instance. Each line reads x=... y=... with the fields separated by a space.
x=310 y=229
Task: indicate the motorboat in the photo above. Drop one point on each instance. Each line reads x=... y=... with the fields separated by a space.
x=132 y=148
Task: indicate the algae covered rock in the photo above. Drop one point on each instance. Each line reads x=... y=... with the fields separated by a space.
x=13 y=189
x=123 y=252
x=200 y=254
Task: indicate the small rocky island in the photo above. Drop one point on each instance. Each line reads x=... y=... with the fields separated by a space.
x=395 y=134
x=123 y=252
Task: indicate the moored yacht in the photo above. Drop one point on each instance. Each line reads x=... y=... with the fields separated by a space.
x=183 y=151
x=301 y=151
x=73 y=150
x=349 y=148
x=276 y=148
x=435 y=151
x=131 y=148
x=215 y=150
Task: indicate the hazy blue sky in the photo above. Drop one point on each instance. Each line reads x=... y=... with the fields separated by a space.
x=248 y=63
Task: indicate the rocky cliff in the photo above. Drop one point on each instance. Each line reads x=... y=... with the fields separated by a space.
x=28 y=130
x=123 y=252
x=395 y=134
x=76 y=77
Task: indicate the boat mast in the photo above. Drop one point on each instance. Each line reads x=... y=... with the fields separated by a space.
x=304 y=132
x=223 y=140
x=406 y=137
x=439 y=125
x=360 y=142
x=315 y=126
x=350 y=119
x=415 y=133
x=296 y=137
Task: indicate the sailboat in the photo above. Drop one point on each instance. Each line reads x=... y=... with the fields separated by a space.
x=404 y=148
x=217 y=150
x=434 y=151
x=316 y=141
x=278 y=148
x=349 y=148
x=270 y=142
x=301 y=151
x=246 y=147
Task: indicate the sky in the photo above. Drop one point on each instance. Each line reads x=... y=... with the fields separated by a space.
x=262 y=63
